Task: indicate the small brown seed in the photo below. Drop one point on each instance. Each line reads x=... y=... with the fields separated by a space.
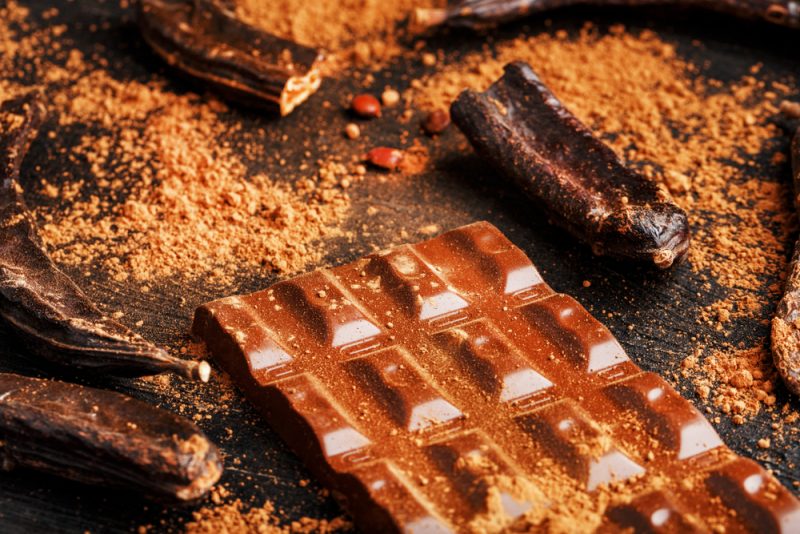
x=390 y=98
x=366 y=106
x=436 y=122
x=384 y=157
x=352 y=131
x=428 y=59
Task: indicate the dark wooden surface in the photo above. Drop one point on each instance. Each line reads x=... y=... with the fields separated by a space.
x=662 y=306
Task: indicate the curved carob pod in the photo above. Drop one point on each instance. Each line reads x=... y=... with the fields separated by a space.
x=103 y=438
x=204 y=39
x=53 y=318
x=786 y=323
x=548 y=153
x=478 y=14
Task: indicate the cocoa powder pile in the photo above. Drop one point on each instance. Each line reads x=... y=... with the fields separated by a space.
x=232 y=518
x=349 y=31
x=194 y=208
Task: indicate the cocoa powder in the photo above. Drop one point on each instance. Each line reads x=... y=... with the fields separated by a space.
x=360 y=32
x=194 y=209
x=233 y=519
x=191 y=206
x=190 y=202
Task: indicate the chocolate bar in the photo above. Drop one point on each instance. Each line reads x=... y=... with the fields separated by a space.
x=443 y=387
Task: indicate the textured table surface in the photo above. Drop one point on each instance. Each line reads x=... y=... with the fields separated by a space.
x=459 y=191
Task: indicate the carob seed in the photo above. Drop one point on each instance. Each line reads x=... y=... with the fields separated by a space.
x=384 y=157
x=366 y=106
x=436 y=122
x=790 y=109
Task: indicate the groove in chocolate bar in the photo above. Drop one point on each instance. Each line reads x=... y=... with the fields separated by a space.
x=520 y=127
x=207 y=41
x=443 y=386
x=51 y=317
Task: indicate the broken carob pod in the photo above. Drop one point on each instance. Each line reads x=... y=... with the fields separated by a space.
x=52 y=317
x=204 y=39
x=786 y=323
x=103 y=438
x=478 y=14
x=553 y=158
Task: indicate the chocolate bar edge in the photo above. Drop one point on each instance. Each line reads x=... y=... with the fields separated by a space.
x=301 y=439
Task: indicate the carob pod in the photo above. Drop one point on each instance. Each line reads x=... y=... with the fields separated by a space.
x=786 y=323
x=205 y=39
x=482 y=13
x=103 y=438
x=43 y=306
x=524 y=130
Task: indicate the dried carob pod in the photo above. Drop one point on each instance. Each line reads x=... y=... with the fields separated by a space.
x=553 y=158
x=786 y=323
x=484 y=13
x=53 y=318
x=205 y=39
x=103 y=438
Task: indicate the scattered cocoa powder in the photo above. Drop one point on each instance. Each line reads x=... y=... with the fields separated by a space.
x=350 y=31
x=742 y=381
x=21 y=44
x=194 y=203
x=232 y=519
x=415 y=159
x=193 y=210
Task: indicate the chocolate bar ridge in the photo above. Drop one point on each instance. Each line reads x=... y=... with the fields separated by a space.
x=444 y=387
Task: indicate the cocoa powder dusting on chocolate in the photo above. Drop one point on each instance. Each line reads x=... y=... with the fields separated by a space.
x=741 y=224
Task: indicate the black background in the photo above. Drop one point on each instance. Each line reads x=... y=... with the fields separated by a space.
x=663 y=307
